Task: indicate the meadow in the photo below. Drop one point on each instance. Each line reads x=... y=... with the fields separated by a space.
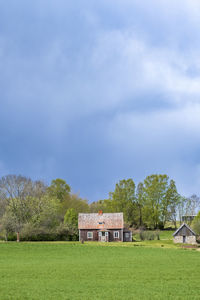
x=70 y=270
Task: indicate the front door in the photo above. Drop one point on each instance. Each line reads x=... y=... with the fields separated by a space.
x=183 y=238
x=103 y=236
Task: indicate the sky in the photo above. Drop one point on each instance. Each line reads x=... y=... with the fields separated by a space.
x=98 y=91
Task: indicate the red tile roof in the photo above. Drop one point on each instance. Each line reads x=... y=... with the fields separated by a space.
x=101 y=221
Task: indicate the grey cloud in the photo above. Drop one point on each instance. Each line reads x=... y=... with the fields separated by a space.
x=97 y=92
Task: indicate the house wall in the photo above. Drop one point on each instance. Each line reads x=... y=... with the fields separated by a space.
x=111 y=235
x=191 y=239
x=188 y=239
x=83 y=235
x=127 y=238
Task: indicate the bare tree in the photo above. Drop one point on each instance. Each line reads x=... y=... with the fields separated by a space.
x=17 y=193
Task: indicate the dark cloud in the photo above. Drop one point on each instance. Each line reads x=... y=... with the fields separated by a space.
x=95 y=92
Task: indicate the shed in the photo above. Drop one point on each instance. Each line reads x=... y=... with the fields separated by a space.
x=184 y=234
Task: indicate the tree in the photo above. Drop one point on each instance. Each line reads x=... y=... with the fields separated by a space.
x=17 y=186
x=192 y=205
x=74 y=201
x=155 y=187
x=104 y=205
x=140 y=203
x=3 y=204
x=71 y=220
x=59 y=189
x=187 y=206
x=16 y=190
x=8 y=224
x=196 y=224
x=123 y=199
x=169 y=203
x=46 y=212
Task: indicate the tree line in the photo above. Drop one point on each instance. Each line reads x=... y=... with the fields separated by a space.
x=32 y=210
x=153 y=203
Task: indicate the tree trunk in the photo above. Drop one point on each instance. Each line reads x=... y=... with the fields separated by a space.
x=18 y=237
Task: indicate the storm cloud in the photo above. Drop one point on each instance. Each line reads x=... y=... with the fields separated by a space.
x=97 y=91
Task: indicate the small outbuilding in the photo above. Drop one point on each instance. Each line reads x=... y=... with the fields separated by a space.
x=184 y=234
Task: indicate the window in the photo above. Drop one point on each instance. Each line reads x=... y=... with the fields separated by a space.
x=90 y=235
x=116 y=234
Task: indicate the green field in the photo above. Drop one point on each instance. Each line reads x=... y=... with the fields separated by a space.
x=98 y=271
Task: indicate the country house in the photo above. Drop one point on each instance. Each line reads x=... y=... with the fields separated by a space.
x=103 y=227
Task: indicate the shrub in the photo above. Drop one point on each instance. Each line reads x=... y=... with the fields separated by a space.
x=157 y=233
x=36 y=233
x=149 y=235
x=142 y=235
x=196 y=226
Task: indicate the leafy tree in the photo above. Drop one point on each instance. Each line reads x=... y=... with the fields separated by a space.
x=140 y=204
x=104 y=205
x=169 y=203
x=155 y=187
x=43 y=212
x=8 y=224
x=74 y=201
x=59 y=189
x=3 y=204
x=123 y=199
x=16 y=190
x=71 y=220
x=196 y=224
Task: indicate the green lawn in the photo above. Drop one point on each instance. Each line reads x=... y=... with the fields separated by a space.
x=97 y=271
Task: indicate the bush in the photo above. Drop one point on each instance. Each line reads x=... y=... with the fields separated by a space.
x=11 y=236
x=157 y=233
x=142 y=235
x=149 y=235
x=196 y=226
x=34 y=233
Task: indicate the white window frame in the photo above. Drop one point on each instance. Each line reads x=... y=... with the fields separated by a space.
x=90 y=233
x=116 y=233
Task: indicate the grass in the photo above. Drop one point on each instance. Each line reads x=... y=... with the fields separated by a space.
x=70 y=270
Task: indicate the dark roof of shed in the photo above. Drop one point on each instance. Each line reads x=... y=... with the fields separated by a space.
x=101 y=221
x=184 y=224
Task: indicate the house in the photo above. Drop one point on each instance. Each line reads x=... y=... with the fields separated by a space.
x=184 y=234
x=103 y=227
